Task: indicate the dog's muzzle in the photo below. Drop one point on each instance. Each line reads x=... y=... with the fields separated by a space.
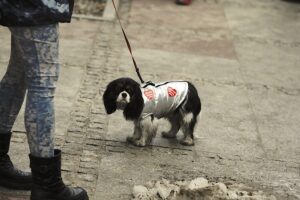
x=123 y=99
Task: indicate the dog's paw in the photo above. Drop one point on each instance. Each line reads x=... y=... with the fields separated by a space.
x=140 y=143
x=135 y=142
x=168 y=135
x=187 y=142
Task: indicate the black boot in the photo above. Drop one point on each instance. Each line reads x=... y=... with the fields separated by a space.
x=9 y=176
x=47 y=181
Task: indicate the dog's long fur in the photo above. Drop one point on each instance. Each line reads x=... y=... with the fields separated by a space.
x=125 y=94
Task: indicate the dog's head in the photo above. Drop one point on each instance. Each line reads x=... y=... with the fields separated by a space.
x=124 y=94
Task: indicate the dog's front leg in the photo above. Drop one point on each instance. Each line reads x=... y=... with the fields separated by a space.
x=148 y=127
x=137 y=139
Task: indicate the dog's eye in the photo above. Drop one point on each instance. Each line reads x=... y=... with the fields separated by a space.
x=118 y=88
x=129 y=90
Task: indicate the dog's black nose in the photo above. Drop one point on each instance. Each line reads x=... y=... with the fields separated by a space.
x=124 y=95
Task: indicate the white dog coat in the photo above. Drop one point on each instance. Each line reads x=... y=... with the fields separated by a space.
x=163 y=98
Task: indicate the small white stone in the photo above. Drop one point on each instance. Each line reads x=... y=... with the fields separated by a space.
x=153 y=192
x=232 y=195
x=222 y=187
x=198 y=183
x=162 y=190
x=139 y=191
x=150 y=184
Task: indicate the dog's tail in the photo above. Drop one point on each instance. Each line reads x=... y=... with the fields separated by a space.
x=193 y=103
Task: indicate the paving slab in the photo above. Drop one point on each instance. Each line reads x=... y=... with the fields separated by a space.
x=200 y=29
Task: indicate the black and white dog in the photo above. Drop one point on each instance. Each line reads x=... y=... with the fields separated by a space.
x=178 y=101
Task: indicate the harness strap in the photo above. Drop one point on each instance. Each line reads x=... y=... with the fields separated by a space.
x=128 y=45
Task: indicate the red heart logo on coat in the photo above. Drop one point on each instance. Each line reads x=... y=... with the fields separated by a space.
x=149 y=94
x=172 y=92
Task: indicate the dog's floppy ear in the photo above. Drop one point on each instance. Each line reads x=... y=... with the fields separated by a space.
x=134 y=109
x=109 y=99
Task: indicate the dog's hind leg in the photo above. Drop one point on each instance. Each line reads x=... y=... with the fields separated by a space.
x=175 y=126
x=188 y=124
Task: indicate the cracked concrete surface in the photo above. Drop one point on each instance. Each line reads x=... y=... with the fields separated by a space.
x=243 y=57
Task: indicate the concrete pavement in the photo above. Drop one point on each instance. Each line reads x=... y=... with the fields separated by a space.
x=243 y=56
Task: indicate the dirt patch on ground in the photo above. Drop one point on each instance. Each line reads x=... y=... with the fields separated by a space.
x=200 y=189
x=89 y=7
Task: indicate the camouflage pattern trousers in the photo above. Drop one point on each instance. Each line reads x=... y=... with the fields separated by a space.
x=33 y=67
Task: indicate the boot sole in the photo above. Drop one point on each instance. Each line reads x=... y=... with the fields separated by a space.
x=81 y=197
x=86 y=198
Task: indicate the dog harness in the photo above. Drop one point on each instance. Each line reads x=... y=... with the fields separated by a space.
x=163 y=98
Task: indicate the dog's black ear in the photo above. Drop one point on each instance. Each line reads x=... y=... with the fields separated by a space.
x=134 y=109
x=109 y=99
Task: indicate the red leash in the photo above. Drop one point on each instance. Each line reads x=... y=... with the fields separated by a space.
x=128 y=45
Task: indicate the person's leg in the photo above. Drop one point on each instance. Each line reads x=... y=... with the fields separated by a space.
x=39 y=46
x=12 y=92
